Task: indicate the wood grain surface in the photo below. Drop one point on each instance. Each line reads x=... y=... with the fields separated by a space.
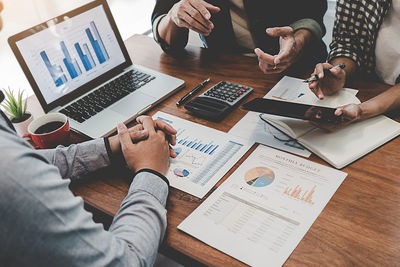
x=359 y=226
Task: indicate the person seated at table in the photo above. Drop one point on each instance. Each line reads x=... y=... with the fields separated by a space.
x=281 y=33
x=365 y=37
x=44 y=224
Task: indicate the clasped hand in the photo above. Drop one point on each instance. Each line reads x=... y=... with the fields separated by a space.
x=146 y=145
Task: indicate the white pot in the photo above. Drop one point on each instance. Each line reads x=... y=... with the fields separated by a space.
x=22 y=127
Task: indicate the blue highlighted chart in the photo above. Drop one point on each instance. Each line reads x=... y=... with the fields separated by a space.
x=196 y=144
x=72 y=67
x=259 y=176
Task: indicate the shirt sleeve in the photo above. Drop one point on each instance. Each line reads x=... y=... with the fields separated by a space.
x=77 y=160
x=161 y=9
x=308 y=24
x=43 y=221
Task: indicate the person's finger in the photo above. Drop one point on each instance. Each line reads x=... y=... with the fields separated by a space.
x=201 y=8
x=211 y=8
x=138 y=133
x=147 y=123
x=1 y=6
x=198 y=17
x=319 y=93
x=160 y=124
x=187 y=17
x=264 y=56
x=319 y=70
x=172 y=153
x=183 y=23
x=124 y=136
x=279 y=31
x=339 y=111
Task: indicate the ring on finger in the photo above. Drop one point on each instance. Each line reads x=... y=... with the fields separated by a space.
x=275 y=67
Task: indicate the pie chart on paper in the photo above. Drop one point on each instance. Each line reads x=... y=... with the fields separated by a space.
x=259 y=176
x=180 y=172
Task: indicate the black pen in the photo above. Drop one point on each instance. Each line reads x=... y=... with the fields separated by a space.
x=195 y=90
x=326 y=72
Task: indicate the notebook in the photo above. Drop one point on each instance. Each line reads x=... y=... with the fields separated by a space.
x=77 y=64
x=338 y=148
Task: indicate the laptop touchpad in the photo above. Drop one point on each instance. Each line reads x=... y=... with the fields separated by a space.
x=132 y=104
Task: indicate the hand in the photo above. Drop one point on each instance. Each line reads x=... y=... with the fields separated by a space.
x=152 y=153
x=289 y=51
x=350 y=113
x=138 y=133
x=194 y=15
x=331 y=80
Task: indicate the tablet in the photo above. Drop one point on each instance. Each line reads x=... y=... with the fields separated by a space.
x=293 y=110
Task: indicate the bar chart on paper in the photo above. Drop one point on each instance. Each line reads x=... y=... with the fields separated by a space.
x=204 y=155
x=195 y=154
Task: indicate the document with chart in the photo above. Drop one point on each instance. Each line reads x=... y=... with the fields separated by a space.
x=262 y=211
x=204 y=155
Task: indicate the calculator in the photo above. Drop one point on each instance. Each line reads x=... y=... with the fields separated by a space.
x=218 y=101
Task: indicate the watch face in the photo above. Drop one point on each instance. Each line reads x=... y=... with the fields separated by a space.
x=1 y=96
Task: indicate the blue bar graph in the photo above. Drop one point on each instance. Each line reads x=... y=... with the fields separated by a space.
x=89 y=54
x=98 y=45
x=72 y=65
x=55 y=71
x=87 y=60
x=196 y=144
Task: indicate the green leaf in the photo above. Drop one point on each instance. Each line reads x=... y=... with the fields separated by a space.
x=14 y=103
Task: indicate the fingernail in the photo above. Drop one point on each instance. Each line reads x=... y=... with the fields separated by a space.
x=208 y=16
x=320 y=76
x=321 y=97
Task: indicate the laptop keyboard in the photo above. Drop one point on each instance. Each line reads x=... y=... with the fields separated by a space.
x=106 y=95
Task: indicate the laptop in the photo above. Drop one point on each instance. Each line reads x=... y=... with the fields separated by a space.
x=77 y=64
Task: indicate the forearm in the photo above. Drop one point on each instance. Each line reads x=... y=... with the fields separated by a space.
x=141 y=220
x=351 y=66
x=76 y=160
x=303 y=37
x=170 y=33
x=384 y=102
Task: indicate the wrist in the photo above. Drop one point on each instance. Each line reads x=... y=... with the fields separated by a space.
x=302 y=37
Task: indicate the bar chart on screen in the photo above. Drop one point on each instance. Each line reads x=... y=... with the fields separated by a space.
x=86 y=59
x=65 y=55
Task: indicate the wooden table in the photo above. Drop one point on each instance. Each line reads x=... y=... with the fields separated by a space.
x=359 y=226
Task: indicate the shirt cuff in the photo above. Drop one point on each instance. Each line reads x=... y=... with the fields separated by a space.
x=308 y=24
x=178 y=46
x=155 y=28
x=115 y=159
x=149 y=181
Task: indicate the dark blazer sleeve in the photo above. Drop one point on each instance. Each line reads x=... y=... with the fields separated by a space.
x=162 y=7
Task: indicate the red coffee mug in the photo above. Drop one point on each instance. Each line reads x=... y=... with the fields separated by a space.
x=59 y=136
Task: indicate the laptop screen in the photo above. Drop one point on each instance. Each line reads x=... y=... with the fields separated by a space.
x=70 y=51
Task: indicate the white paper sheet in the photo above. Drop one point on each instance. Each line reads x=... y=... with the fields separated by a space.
x=262 y=211
x=252 y=127
x=294 y=90
x=204 y=155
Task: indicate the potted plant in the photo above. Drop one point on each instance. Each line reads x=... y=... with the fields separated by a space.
x=16 y=109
